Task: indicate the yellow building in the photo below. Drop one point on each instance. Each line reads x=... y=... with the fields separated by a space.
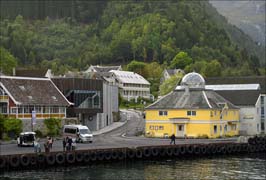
x=193 y=111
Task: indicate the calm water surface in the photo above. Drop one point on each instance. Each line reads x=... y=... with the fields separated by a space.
x=227 y=168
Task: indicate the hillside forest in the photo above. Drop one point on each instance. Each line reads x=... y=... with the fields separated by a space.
x=71 y=35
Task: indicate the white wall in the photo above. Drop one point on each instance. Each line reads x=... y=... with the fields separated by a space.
x=110 y=105
x=249 y=120
x=262 y=106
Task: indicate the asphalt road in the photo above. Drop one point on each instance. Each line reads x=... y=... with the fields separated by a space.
x=124 y=136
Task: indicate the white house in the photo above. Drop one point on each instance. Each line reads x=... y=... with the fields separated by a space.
x=101 y=69
x=168 y=73
x=251 y=103
x=131 y=85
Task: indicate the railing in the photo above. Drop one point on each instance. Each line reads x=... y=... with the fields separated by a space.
x=4 y=98
x=38 y=116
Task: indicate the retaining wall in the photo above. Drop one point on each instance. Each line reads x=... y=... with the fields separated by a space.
x=43 y=160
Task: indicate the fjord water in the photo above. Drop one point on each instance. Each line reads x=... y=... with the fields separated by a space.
x=234 y=167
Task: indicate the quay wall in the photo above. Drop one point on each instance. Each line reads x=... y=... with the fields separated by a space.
x=92 y=156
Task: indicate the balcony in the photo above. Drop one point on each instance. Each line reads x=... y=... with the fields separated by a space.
x=4 y=98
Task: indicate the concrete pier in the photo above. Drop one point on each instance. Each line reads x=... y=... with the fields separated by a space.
x=90 y=156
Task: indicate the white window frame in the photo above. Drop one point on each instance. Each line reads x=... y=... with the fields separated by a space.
x=13 y=108
x=164 y=113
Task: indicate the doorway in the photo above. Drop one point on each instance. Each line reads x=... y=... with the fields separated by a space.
x=180 y=130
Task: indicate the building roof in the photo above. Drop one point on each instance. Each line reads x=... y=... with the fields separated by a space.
x=33 y=91
x=171 y=72
x=236 y=87
x=239 y=80
x=130 y=77
x=192 y=99
x=106 y=68
x=241 y=97
x=39 y=73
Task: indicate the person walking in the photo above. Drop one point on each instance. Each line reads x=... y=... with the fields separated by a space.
x=69 y=142
x=37 y=147
x=172 y=139
x=50 y=143
x=46 y=147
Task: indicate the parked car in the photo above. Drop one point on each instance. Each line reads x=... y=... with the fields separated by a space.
x=78 y=133
x=26 y=139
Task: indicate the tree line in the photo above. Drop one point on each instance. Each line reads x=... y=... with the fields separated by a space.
x=71 y=35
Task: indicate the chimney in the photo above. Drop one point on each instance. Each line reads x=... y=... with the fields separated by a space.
x=14 y=71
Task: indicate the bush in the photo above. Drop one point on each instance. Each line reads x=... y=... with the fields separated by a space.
x=2 y=119
x=53 y=126
x=39 y=134
x=12 y=127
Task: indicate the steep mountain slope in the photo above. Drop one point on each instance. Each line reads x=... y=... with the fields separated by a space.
x=79 y=33
x=247 y=15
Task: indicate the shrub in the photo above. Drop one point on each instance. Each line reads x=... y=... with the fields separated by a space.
x=53 y=126
x=39 y=134
x=2 y=119
x=12 y=127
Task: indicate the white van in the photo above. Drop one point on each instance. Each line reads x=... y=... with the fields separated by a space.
x=78 y=133
x=26 y=139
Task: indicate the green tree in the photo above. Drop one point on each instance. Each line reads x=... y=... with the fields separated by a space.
x=170 y=84
x=137 y=67
x=53 y=126
x=154 y=72
x=213 y=69
x=7 y=61
x=12 y=126
x=181 y=60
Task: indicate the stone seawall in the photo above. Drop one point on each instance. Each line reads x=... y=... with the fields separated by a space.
x=60 y=158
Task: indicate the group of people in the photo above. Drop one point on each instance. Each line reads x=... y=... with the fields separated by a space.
x=68 y=144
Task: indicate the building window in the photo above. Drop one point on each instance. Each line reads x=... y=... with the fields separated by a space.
x=26 y=109
x=161 y=128
x=215 y=129
x=20 y=110
x=38 y=109
x=156 y=128
x=191 y=113
x=225 y=128
x=262 y=126
x=211 y=114
x=262 y=111
x=233 y=127
x=180 y=128
x=46 y=110
x=214 y=113
x=13 y=110
x=96 y=100
x=151 y=127
x=163 y=113
x=3 y=108
x=55 y=110
x=262 y=100
x=62 y=110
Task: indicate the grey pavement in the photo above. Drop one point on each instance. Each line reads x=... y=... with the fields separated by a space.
x=109 y=128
